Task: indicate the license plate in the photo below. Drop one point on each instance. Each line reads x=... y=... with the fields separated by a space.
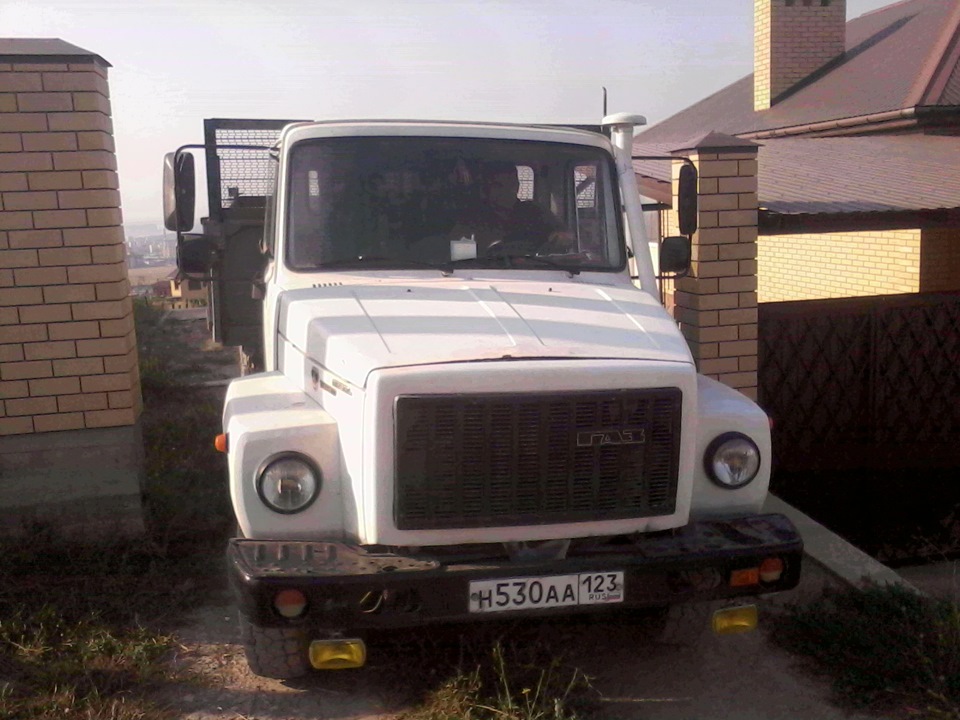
x=527 y=593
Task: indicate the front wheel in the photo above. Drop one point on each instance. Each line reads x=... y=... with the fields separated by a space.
x=684 y=624
x=279 y=653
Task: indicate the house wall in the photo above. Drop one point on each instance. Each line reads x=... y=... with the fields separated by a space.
x=940 y=260
x=832 y=265
x=69 y=384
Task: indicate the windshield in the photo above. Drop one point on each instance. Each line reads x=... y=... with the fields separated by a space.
x=407 y=202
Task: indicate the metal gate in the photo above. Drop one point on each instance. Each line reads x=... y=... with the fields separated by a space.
x=869 y=382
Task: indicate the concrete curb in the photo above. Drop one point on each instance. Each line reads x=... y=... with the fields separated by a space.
x=834 y=554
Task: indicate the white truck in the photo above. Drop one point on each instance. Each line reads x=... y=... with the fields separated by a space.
x=469 y=402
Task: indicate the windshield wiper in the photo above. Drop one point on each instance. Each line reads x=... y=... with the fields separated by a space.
x=361 y=260
x=543 y=260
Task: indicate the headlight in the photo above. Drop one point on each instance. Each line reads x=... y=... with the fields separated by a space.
x=288 y=483
x=732 y=460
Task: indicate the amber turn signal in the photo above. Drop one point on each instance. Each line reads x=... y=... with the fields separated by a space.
x=771 y=569
x=745 y=577
x=220 y=442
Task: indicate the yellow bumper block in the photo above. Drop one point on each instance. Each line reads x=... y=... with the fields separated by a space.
x=733 y=620
x=338 y=654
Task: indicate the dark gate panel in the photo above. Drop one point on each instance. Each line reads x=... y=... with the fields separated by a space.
x=861 y=380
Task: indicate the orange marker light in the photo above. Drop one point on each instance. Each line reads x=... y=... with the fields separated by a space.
x=290 y=603
x=220 y=442
x=771 y=569
x=747 y=576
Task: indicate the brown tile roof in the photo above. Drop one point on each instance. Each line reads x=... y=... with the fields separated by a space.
x=897 y=57
x=881 y=173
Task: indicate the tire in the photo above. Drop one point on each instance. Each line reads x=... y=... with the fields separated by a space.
x=250 y=360
x=279 y=653
x=683 y=625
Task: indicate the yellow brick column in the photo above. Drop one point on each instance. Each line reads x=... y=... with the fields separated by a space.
x=69 y=381
x=68 y=353
x=716 y=305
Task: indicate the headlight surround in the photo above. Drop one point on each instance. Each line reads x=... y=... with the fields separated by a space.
x=288 y=482
x=732 y=460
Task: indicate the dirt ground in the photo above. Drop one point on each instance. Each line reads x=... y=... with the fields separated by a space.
x=744 y=677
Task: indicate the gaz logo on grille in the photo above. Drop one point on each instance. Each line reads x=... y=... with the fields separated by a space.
x=592 y=438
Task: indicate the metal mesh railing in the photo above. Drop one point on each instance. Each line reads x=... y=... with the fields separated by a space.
x=864 y=371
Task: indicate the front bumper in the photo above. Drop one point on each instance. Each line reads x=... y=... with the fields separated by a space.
x=347 y=587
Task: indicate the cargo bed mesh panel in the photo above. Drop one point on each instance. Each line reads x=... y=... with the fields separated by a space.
x=505 y=460
x=245 y=172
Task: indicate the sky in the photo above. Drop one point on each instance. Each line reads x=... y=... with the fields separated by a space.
x=176 y=62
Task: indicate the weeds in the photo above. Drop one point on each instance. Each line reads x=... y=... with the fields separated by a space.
x=513 y=682
x=187 y=504
x=882 y=647
x=82 y=625
x=80 y=631
x=157 y=374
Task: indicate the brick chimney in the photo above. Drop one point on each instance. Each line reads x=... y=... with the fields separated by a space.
x=791 y=40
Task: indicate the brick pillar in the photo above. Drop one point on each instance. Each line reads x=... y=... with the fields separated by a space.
x=68 y=359
x=716 y=305
x=791 y=40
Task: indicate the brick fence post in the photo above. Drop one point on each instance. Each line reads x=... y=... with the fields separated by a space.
x=69 y=382
x=716 y=304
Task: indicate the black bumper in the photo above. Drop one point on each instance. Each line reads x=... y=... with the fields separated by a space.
x=346 y=587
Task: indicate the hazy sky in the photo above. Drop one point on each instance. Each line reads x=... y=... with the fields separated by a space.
x=176 y=62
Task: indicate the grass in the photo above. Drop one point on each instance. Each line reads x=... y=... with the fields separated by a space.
x=884 y=648
x=903 y=517
x=514 y=676
x=83 y=625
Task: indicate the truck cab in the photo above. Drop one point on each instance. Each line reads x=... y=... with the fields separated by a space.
x=470 y=402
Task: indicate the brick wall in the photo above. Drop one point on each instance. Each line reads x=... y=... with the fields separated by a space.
x=940 y=260
x=792 y=39
x=67 y=349
x=716 y=304
x=832 y=265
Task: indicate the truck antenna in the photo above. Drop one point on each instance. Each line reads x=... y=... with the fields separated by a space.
x=604 y=102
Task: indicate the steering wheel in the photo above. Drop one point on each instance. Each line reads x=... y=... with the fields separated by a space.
x=504 y=248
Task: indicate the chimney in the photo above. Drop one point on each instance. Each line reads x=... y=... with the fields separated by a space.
x=791 y=40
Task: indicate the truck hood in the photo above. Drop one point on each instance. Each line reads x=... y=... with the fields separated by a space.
x=352 y=330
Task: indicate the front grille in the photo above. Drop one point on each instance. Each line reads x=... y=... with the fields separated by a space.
x=527 y=459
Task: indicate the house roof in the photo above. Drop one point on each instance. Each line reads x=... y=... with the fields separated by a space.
x=884 y=173
x=871 y=174
x=900 y=57
x=44 y=50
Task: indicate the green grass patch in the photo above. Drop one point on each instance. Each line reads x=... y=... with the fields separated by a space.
x=84 y=625
x=186 y=495
x=884 y=648
x=508 y=679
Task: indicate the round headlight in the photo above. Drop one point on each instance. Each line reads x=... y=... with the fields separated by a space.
x=288 y=483
x=732 y=460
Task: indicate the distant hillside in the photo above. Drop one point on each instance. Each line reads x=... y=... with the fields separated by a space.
x=150 y=275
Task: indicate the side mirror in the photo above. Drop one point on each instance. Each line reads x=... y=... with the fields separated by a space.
x=179 y=191
x=687 y=200
x=675 y=254
x=195 y=254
